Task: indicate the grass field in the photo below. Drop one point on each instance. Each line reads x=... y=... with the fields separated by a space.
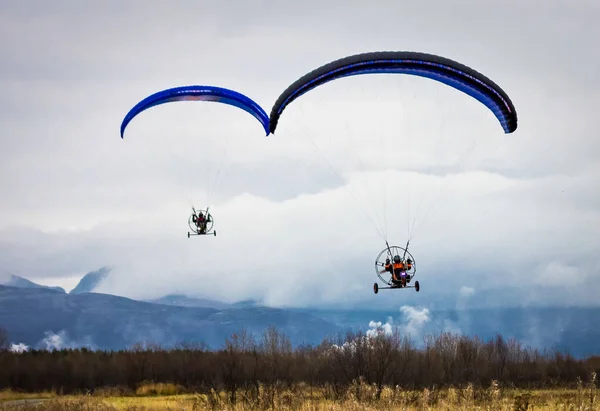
x=359 y=397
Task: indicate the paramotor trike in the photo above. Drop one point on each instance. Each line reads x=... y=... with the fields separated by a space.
x=201 y=223
x=387 y=261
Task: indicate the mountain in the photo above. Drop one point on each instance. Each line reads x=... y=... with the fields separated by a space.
x=91 y=281
x=40 y=316
x=110 y=322
x=21 y=282
x=247 y=303
x=181 y=300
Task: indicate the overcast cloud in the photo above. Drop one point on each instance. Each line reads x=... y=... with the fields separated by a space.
x=297 y=213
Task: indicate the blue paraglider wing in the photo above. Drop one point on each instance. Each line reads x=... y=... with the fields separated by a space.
x=438 y=68
x=199 y=93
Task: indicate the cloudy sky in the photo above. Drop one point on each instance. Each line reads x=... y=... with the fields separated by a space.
x=300 y=215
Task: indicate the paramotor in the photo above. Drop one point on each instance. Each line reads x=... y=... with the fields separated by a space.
x=201 y=223
x=201 y=93
x=396 y=268
x=440 y=69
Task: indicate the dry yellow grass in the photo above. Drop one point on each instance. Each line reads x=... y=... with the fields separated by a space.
x=410 y=403
x=162 y=389
x=9 y=395
x=358 y=397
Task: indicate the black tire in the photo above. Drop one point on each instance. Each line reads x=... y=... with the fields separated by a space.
x=188 y=234
x=417 y=286
x=375 y=288
x=215 y=233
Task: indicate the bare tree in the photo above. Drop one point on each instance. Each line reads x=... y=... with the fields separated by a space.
x=236 y=348
x=276 y=350
x=3 y=339
x=243 y=364
x=382 y=361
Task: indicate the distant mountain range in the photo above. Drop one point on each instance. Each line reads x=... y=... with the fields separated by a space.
x=104 y=321
x=87 y=284
x=40 y=316
x=20 y=282
x=181 y=300
x=91 y=281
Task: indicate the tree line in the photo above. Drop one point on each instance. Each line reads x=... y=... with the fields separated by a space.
x=247 y=362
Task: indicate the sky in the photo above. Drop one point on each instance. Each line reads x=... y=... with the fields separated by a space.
x=302 y=214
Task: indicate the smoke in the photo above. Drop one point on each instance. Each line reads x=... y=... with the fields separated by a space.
x=59 y=341
x=451 y=327
x=462 y=304
x=555 y=273
x=413 y=322
x=464 y=295
x=466 y=291
x=55 y=341
x=377 y=327
x=19 y=348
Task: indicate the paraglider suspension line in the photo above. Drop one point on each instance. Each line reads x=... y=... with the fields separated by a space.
x=389 y=251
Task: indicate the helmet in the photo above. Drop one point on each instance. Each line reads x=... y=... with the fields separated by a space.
x=387 y=260
x=409 y=261
x=397 y=259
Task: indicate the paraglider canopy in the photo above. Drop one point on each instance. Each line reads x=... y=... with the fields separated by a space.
x=199 y=93
x=438 y=68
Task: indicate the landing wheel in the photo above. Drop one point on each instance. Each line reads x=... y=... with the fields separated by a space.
x=417 y=286
x=375 y=288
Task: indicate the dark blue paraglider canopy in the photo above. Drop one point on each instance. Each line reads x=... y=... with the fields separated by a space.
x=438 y=68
